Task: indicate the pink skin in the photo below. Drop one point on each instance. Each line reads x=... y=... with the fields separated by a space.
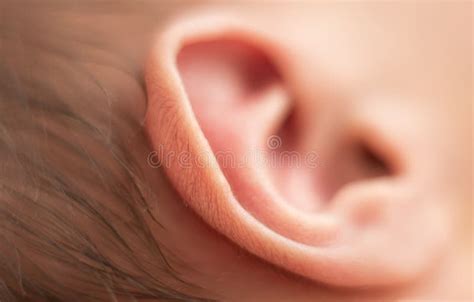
x=382 y=76
x=381 y=94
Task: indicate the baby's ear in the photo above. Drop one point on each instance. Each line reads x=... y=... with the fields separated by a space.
x=300 y=184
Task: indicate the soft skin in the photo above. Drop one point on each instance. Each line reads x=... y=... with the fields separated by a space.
x=348 y=82
x=374 y=98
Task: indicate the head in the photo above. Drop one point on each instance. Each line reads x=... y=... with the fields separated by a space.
x=237 y=152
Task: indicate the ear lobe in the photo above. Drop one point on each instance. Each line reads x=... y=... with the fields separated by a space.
x=216 y=99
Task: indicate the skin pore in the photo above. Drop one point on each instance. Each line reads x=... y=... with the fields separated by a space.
x=86 y=218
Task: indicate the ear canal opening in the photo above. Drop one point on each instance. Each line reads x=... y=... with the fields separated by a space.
x=376 y=163
x=354 y=162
